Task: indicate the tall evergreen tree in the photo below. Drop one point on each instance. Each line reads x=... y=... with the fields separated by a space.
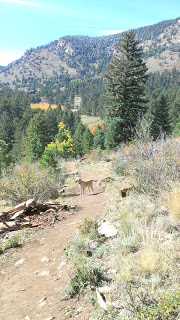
x=36 y=137
x=87 y=140
x=78 y=135
x=113 y=134
x=52 y=124
x=98 y=138
x=5 y=158
x=161 y=121
x=125 y=82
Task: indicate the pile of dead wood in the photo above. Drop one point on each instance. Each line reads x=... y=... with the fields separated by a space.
x=32 y=214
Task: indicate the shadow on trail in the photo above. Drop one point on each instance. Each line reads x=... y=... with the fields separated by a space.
x=70 y=195
x=84 y=195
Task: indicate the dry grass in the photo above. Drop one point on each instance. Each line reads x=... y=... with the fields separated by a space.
x=173 y=202
x=143 y=257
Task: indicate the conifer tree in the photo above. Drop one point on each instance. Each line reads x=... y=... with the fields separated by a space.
x=113 y=134
x=98 y=138
x=87 y=140
x=36 y=137
x=5 y=158
x=161 y=121
x=78 y=139
x=125 y=82
x=52 y=124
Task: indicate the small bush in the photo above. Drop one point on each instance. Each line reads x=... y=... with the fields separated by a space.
x=88 y=276
x=86 y=243
x=27 y=181
x=121 y=167
x=13 y=242
x=78 y=250
x=89 y=229
x=166 y=308
x=110 y=314
x=154 y=165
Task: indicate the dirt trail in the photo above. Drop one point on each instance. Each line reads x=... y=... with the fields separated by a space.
x=32 y=288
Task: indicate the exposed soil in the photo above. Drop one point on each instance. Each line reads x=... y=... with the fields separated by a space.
x=33 y=278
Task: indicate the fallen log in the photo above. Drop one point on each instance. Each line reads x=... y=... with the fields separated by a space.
x=13 y=225
x=22 y=214
x=17 y=215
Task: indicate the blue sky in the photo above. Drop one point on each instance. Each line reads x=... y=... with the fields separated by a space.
x=26 y=24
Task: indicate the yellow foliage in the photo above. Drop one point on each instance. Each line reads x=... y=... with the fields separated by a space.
x=43 y=106
x=100 y=124
x=61 y=125
x=95 y=126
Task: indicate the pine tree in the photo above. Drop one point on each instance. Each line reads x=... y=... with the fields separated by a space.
x=98 y=138
x=125 y=82
x=5 y=158
x=78 y=139
x=52 y=124
x=161 y=121
x=36 y=137
x=113 y=134
x=87 y=140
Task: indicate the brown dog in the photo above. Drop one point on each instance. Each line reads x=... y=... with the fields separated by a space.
x=104 y=181
x=85 y=184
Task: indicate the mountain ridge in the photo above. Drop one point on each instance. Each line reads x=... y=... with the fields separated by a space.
x=74 y=57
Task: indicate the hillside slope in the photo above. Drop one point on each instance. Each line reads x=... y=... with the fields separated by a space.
x=72 y=57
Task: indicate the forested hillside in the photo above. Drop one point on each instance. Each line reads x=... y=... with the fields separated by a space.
x=76 y=57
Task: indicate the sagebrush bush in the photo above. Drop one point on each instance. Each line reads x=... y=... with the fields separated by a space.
x=155 y=165
x=87 y=276
x=78 y=250
x=166 y=307
x=86 y=243
x=89 y=229
x=109 y=314
x=26 y=181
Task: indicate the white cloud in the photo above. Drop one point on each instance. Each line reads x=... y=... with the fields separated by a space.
x=22 y=2
x=109 y=32
x=7 y=56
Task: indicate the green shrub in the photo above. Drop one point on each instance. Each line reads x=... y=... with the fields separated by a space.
x=27 y=181
x=121 y=167
x=13 y=242
x=89 y=228
x=176 y=130
x=87 y=276
x=110 y=314
x=166 y=308
x=78 y=250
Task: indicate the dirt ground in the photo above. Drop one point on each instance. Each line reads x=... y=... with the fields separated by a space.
x=33 y=278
